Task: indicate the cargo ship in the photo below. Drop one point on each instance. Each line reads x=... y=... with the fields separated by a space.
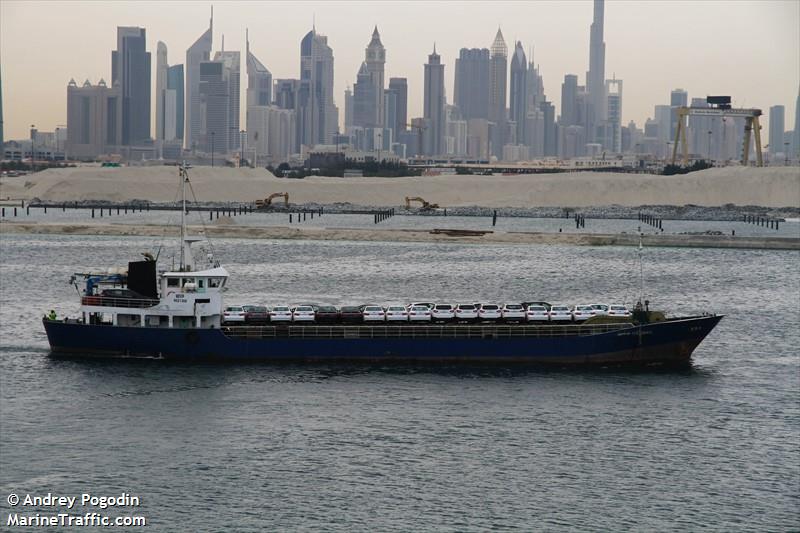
x=177 y=314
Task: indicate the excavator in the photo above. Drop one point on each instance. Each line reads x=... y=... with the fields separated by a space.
x=266 y=202
x=425 y=204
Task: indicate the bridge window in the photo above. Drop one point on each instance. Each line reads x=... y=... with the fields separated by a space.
x=172 y=282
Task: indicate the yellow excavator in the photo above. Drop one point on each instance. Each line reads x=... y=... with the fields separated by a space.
x=425 y=204
x=266 y=202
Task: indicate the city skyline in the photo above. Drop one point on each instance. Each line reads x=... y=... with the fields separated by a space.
x=770 y=75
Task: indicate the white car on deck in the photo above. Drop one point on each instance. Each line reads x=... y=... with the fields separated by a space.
x=600 y=309
x=303 y=313
x=513 y=312
x=466 y=313
x=396 y=313
x=443 y=313
x=583 y=312
x=234 y=313
x=619 y=311
x=373 y=313
x=280 y=313
x=419 y=313
x=537 y=313
x=560 y=313
x=489 y=313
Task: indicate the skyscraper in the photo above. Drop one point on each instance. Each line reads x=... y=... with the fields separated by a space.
x=94 y=119
x=614 y=115
x=795 y=135
x=569 y=98
x=677 y=98
x=375 y=60
x=130 y=68
x=200 y=51
x=434 y=104
x=231 y=75
x=776 y=128
x=519 y=92
x=498 y=74
x=317 y=115
x=2 y=138
x=348 y=109
x=175 y=83
x=399 y=86
x=169 y=97
x=213 y=108
x=471 y=87
x=596 y=77
x=161 y=87
x=258 y=104
x=259 y=79
x=365 y=114
x=286 y=93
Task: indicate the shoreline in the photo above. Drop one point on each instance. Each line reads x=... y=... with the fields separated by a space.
x=404 y=235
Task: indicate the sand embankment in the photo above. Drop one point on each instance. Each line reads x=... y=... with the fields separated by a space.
x=400 y=235
x=767 y=187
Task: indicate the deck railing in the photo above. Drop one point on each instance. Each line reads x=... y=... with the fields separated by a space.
x=108 y=301
x=438 y=332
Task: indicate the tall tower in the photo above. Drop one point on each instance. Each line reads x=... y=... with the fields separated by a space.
x=200 y=51
x=231 y=76
x=498 y=74
x=259 y=79
x=519 y=92
x=434 y=105
x=471 y=85
x=317 y=115
x=375 y=60
x=162 y=67
x=400 y=87
x=130 y=68
x=596 y=77
x=795 y=136
x=776 y=128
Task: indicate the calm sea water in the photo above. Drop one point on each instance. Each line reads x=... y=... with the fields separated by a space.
x=264 y=447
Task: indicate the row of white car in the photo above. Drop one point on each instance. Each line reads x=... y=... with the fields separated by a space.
x=425 y=312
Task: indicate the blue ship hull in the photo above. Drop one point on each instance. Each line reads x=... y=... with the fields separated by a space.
x=670 y=341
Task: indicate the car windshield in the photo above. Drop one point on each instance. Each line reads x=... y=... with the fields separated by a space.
x=618 y=308
x=420 y=308
x=235 y=309
x=396 y=308
x=559 y=308
x=350 y=309
x=513 y=306
x=280 y=309
x=372 y=309
x=466 y=307
x=536 y=308
x=304 y=309
x=598 y=306
x=326 y=309
x=584 y=308
x=444 y=307
x=489 y=307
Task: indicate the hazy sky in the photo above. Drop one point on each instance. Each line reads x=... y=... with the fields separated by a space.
x=748 y=49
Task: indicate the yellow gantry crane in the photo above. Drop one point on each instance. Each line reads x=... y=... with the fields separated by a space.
x=720 y=107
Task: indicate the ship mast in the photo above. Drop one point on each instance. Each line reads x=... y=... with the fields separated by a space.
x=641 y=272
x=184 y=178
